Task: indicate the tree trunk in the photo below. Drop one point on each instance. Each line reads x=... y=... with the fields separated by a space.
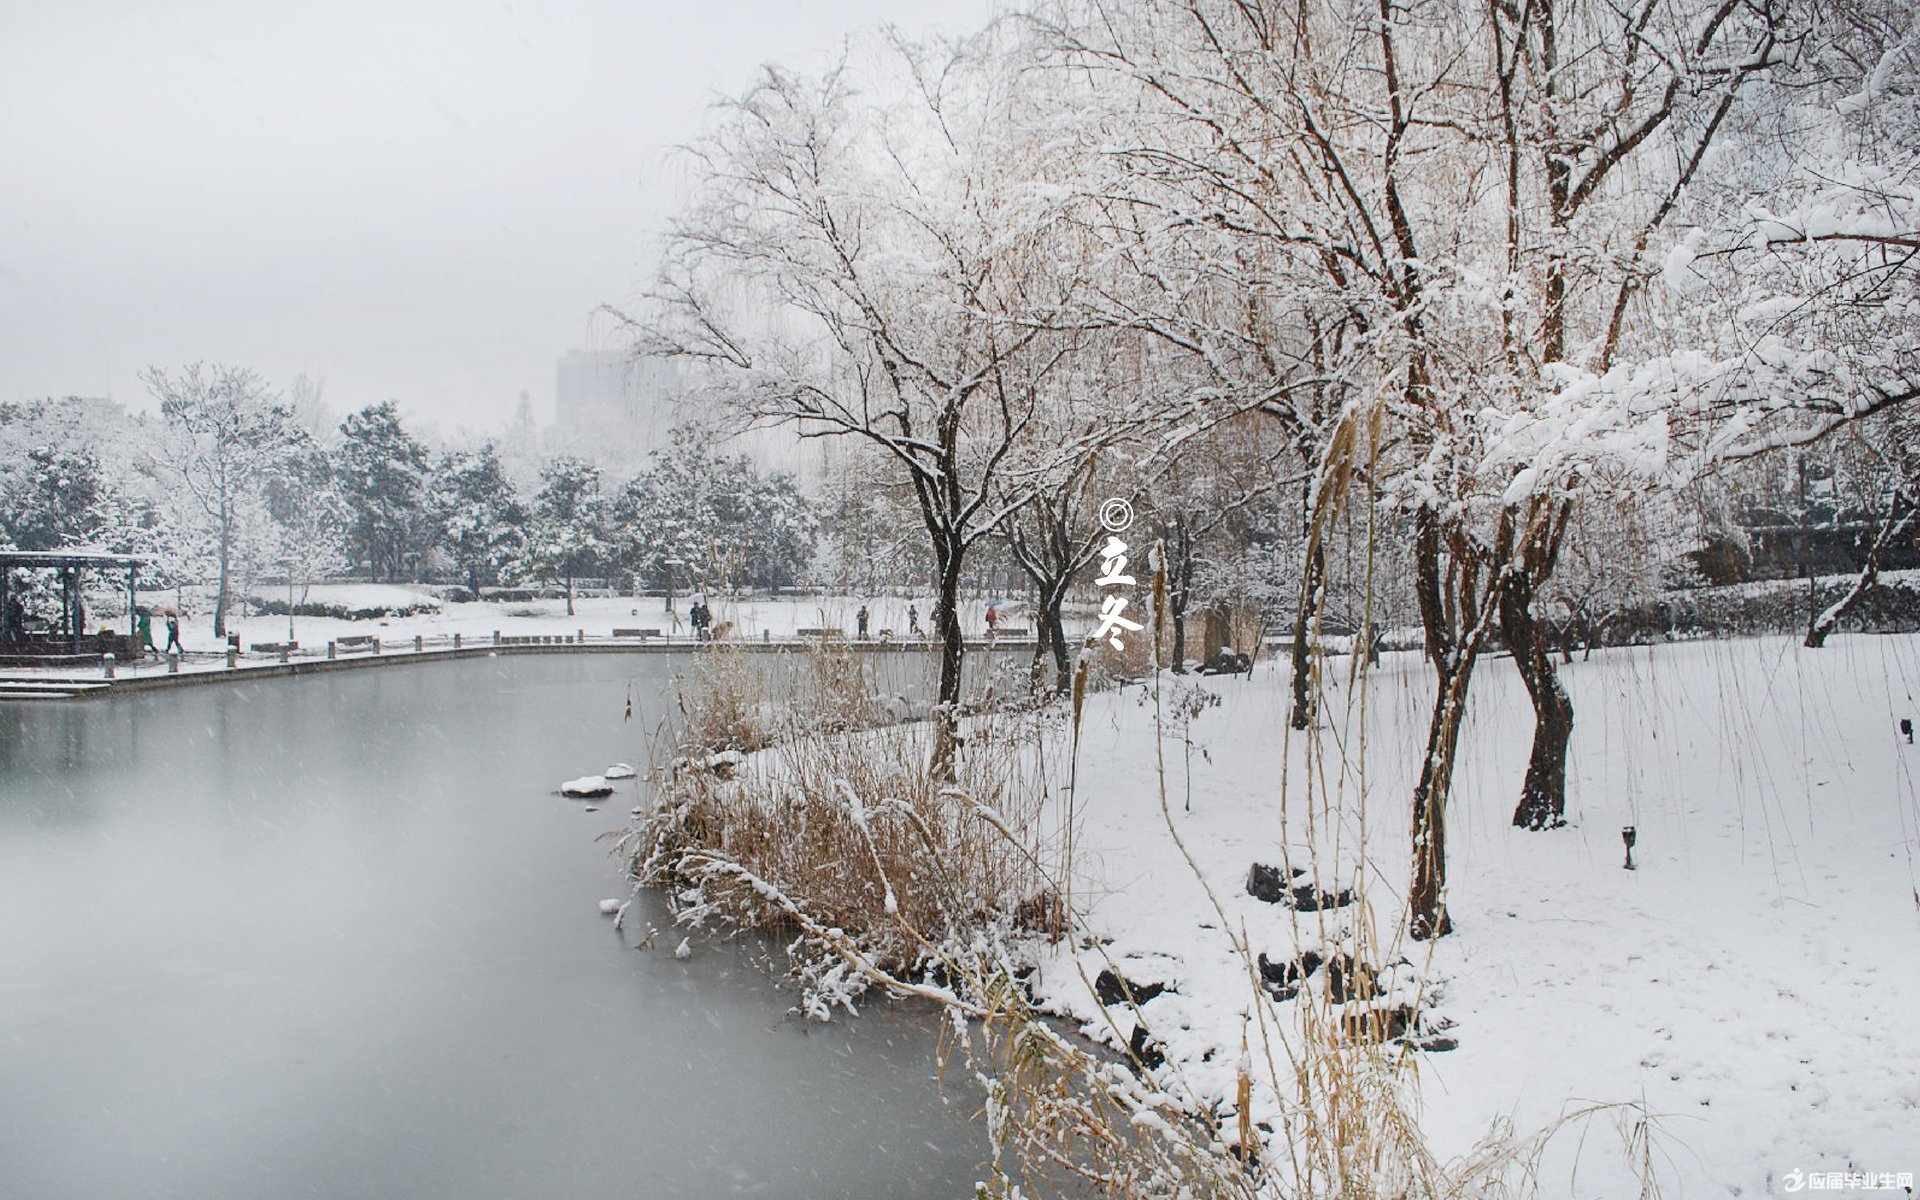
x=1316 y=571
x=1543 y=794
x=1442 y=595
x=1062 y=669
x=220 y=597
x=1427 y=900
x=1049 y=636
x=1037 y=671
x=1177 y=618
x=1179 y=569
x=569 y=574
x=953 y=651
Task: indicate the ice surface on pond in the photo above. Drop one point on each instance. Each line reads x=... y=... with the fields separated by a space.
x=318 y=935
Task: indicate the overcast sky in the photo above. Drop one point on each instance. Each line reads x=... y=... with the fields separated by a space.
x=412 y=200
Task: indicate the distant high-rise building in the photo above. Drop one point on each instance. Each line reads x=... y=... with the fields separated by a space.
x=610 y=393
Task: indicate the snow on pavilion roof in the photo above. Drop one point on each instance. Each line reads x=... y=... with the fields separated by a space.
x=64 y=558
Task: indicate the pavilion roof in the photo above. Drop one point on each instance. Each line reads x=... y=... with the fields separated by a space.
x=64 y=558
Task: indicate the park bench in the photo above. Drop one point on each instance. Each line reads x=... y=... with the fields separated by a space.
x=358 y=642
x=274 y=647
x=821 y=632
x=1011 y=631
x=636 y=633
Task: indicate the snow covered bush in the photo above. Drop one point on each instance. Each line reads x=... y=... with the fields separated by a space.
x=849 y=842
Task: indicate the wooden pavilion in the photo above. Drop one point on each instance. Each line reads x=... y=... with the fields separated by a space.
x=61 y=638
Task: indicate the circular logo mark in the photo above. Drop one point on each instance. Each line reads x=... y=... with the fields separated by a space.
x=1116 y=514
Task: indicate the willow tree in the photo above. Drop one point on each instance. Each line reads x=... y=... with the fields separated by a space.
x=1451 y=209
x=872 y=254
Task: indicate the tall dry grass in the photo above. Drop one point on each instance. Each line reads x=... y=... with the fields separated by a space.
x=839 y=834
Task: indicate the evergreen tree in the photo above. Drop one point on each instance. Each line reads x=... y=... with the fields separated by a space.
x=60 y=499
x=567 y=536
x=479 y=516
x=380 y=469
x=719 y=513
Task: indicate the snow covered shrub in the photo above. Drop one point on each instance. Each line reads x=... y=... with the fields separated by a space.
x=848 y=841
x=342 y=612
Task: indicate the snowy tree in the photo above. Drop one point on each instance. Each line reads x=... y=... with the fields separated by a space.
x=225 y=434
x=567 y=534
x=1458 y=202
x=1897 y=449
x=1201 y=501
x=1053 y=539
x=718 y=513
x=870 y=269
x=308 y=517
x=479 y=515
x=1746 y=265
x=870 y=535
x=59 y=499
x=381 y=470
x=65 y=480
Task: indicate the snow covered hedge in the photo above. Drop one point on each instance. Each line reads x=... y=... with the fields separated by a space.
x=1780 y=606
x=278 y=608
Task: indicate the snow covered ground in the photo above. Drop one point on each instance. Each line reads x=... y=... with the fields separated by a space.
x=1752 y=983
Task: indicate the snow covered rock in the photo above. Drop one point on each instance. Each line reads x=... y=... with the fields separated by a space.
x=1113 y=988
x=1146 y=1051
x=1282 y=979
x=684 y=949
x=587 y=787
x=1270 y=883
x=1266 y=883
x=1226 y=661
x=609 y=907
x=619 y=771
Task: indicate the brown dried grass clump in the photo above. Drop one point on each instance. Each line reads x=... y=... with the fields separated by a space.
x=839 y=833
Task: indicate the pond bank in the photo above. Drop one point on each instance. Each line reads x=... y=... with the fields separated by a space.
x=68 y=684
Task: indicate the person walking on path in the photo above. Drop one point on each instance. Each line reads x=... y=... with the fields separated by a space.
x=913 y=620
x=143 y=632
x=861 y=617
x=173 y=633
x=993 y=619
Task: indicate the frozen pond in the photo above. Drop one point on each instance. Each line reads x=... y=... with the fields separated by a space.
x=335 y=936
